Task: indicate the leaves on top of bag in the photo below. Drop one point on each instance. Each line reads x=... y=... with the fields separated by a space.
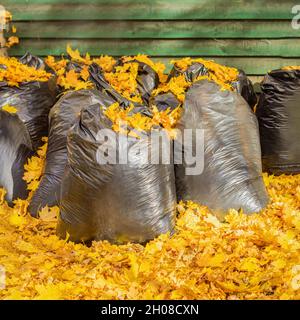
x=123 y=79
x=124 y=118
x=291 y=68
x=14 y=72
x=217 y=72
x=77 y=78
x=158 y=67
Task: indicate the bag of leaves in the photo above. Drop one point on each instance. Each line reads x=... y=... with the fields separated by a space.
x=117 y=201
x=26 y=96
x=278 y=114
x=61 y=118
x=233 y=78
x=231 y=177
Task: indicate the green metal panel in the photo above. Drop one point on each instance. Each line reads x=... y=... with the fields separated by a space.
x=256 y=35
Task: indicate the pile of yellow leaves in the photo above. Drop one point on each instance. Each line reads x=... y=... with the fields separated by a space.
x=217 y=72
x=244 y=257
x=158 y=67
x=222 y=75
x=123 y=80
x=129 y=123
x=72 y=80
x=14 y=72
x=177 y=85
x=291 y=68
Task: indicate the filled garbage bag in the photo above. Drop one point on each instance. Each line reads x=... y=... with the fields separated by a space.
x=15 y=147
x=278 y=114
x=231 y=175
x=24 y=110
x=134 y=201
x=61 y=118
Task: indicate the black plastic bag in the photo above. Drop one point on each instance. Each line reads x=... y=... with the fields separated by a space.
x=116 y=202
x=164 y=101
x=194 y=71
x=32 y=61
x=98 y=79
x=231 y=177
x=278 y=114
x=61 y=118
x=245 y=88
x=21 y=132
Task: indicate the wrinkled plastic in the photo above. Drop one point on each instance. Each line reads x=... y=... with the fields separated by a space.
x=116 y=202
x=278 y=114
x=98 y=79
x=21 y=132
x=231 y=177
x=245 y=88
x=191 y=73
x=15 y=148
x=32 y=61
x=61 y=118
x=164 y=101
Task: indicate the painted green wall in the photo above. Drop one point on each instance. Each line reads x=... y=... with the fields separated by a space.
x=256 y=36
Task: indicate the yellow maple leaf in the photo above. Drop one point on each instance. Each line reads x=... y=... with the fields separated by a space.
x=211 y=261
x=9 y=109
x=249 y=264
x=212 y=220
x=16 y=220
x=75 y=55
x=48 y=292
x=12 y=41
x=134 y=267
x=49 y=214
x=26 y=246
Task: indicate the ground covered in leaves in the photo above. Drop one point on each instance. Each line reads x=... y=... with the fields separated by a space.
x=244 y=257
